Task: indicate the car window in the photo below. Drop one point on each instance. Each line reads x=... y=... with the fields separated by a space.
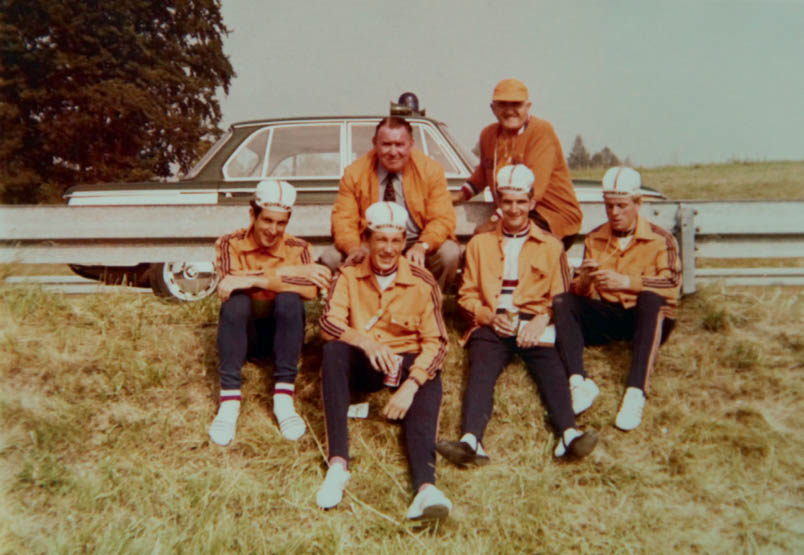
x=305 y=151
x=247 y=160
x=437 y=152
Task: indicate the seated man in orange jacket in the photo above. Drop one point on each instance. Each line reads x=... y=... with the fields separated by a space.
x=511 y=276
x=385 y=329
x=627 y=289
x=265 y=274
x=395 y=171
x=519 y=138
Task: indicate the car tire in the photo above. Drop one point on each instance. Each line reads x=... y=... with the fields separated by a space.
x=183 y=281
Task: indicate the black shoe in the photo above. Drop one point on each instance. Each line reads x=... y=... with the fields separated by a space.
x=460 y=453
x=582 y=445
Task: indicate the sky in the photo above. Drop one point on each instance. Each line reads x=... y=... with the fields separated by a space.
x=659 y=82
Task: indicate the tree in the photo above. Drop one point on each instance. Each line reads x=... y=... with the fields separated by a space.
x=604 y=159
x=578 y=158
x=94 y=91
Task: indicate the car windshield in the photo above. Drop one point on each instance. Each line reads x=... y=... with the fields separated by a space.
x=209 y=154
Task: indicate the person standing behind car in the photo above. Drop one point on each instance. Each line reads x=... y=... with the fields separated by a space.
x=265 y=274
x=394 y=171
x=519 y=138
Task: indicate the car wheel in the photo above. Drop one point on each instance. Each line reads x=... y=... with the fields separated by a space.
x=184 y=281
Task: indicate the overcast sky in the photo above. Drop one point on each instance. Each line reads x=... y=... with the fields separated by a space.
x=661 y=82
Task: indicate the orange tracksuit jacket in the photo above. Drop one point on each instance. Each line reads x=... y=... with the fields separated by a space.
x=239 y=254
x=426 y=196
x=539 y=149
x=651 y=261
x=406 y=316
x=543 y=273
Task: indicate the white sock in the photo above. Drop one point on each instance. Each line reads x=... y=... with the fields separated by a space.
x=222 y=429
x=229 y=408
x=283 y=400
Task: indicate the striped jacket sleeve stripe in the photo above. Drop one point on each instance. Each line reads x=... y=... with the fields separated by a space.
x=326 y=324
x=435 y=296
x=672 y=261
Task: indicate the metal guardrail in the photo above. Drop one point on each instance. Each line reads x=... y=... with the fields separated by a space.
x=128 y=235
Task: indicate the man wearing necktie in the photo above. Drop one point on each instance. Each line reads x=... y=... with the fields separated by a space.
x=395 y=171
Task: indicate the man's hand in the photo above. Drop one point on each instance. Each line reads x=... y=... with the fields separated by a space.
x=502 y=325
x=381 y=356
x=316 y=273
x=457 y=196
x=231 y=283
x=611 y=280
x=399 y=403
x=356 y=255
x=584 y=272
x=530 y=332
x=416 y=254
x=488 y=225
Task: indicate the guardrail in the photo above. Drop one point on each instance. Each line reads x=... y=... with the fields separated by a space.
x=128 y=235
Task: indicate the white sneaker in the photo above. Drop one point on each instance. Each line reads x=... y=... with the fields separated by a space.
x=429 y=503
x=291 y=425
x=583 y=391
x=222 y=429
x=630 y=414
x=331 y=491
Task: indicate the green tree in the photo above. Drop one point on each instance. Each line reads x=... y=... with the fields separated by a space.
x=604 y=159
x=94 y=90
x=578 y=158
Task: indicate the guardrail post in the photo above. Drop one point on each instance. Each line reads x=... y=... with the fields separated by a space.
x=686 y=242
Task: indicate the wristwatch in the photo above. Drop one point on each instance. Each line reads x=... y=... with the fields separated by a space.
x=425 y=244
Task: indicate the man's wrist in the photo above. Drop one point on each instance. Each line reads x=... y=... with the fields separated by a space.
x=425 y=245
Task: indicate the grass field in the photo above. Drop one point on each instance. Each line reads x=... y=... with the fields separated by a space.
x=106 y=401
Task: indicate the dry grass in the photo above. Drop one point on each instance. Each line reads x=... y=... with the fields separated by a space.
x=106 y=401
x=732 y=181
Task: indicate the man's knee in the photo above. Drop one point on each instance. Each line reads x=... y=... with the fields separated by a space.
x=237 y=307
x=288 y=303
x=565 y=303
x=649 y=301
x=449 y=254
x=331 y=257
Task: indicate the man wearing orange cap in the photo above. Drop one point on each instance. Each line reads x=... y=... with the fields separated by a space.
x=395 y=171
x=264 y=276
x=511 y=275
x=626 y=289
x=384 y=328
x=519 y=138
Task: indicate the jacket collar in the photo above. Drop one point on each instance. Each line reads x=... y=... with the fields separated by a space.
x=249 y=244
x=642 y=231
x=403 y=274
x=534 y=232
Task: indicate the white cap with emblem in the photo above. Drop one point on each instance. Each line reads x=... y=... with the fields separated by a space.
x=275 y=195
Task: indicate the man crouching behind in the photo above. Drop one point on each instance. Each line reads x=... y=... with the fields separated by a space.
x=384 y=325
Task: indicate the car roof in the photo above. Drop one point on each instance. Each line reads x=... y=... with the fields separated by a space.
x=263 y=121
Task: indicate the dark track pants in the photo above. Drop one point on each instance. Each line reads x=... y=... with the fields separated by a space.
x=281 y=333
x=345 y=369
x=584 y=321
x=488 y=356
